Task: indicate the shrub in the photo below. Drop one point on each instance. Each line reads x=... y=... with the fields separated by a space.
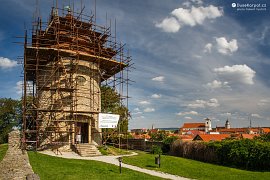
x=246 y=153
x=156 y=150
x=167 y=142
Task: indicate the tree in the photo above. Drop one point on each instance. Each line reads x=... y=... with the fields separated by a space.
x=111 y=103
x=10 y=116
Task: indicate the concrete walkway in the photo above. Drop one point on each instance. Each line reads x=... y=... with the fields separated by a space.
x=113 y=160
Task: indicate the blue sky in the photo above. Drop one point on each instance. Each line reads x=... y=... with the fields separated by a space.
x=194 y=59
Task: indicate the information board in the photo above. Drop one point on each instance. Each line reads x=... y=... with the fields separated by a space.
x=108 y=120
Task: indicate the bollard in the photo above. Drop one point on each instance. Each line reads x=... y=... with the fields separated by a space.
x=120 y=167
x=157 y=160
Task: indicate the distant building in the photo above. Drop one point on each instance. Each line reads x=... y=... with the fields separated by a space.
x=227 y=124
x=208 y=126
x=211 y=137
x=191 y=127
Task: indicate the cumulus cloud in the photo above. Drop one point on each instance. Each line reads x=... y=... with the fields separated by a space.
x=169 y=24
x=188 y=118
x=158 y=78
x=226 y=47
x=156 y=96
x=208 y=48
x=136 y=109
x=216 y=84
x=203 y=104
x=6 y=63
x=190 y=17
x=226 y=114
x=187 y=113
x=263 y=102
x=149 y=110
x=236 y=74
x=18 y=87
x=144 y=102
x=256 y=115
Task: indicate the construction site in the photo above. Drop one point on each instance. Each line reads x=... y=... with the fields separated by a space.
x=67 y=58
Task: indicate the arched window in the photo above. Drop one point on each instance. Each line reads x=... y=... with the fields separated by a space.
x=80 y=80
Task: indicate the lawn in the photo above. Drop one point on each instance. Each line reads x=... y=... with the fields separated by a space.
x=48 y=167
x=110 y=150
x=3 y=150
x=192 y=169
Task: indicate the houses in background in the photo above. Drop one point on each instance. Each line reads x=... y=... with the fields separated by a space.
x=203 y=131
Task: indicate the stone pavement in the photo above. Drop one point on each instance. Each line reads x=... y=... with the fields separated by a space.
x=15 y=164
x=114 y=160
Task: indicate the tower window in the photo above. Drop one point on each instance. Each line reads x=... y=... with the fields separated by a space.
x=80 y=80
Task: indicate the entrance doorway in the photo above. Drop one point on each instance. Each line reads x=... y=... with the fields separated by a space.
x=82 y=133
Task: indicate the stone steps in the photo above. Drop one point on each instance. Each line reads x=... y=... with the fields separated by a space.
x=87 y=150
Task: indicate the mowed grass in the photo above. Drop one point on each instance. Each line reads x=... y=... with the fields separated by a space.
x=192 y=169
x=3 y=150
x=53 y=168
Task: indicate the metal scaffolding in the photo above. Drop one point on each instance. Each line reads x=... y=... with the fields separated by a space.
x=66 y=60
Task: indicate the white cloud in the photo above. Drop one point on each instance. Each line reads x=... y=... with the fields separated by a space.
x=226 y=114
x=158 y=78
x=169 y=24
x=187 y=113
x=208 y=48
x=256 y=115
x=202 y=104
x=188 y=118
x=236 y=73
x=144 y=102
x=156 y=96
x=136 y=109
x=137 y=113
x=216 y=84
x=196 y=15
x=263 y=102
x=18 y=87
x=6 y=63
x=212 y=103
x=226 y=47
x=149 y=110
x=191 y=17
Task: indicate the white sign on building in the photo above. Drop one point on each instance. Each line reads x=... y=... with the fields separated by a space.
x=108 y=120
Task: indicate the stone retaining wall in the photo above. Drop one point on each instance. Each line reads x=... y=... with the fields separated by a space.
x=15 y=164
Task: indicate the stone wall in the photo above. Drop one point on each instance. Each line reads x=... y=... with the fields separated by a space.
x=15 y=164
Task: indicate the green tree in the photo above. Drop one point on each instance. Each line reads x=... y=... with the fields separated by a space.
x=10 y=116
x=111 y=103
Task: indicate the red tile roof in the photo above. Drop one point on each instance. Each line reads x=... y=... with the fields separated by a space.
x=249 y=136
x=266 y=130
x=193 y=125
x=234 y=130
x=211 y=137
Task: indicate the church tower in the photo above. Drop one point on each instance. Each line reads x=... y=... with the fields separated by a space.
x=227 y=124
x=208 y=126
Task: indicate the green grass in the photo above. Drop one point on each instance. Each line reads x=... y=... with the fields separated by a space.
x=110 y=150
x=192 y=169
x=53 y=168
x=3 y=150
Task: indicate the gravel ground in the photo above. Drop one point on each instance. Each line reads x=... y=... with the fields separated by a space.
x=114 y=160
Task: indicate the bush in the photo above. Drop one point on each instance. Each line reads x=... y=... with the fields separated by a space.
x=246 y=153
x=156 y=150
x=167 y=142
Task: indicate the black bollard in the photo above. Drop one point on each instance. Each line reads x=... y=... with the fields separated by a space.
x=120 y=167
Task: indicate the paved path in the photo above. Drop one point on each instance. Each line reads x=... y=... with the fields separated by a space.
x=114 y=160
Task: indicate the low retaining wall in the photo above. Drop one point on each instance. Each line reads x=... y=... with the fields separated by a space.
x=15 y=164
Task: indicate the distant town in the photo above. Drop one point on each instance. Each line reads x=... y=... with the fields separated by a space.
x=203 y=131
